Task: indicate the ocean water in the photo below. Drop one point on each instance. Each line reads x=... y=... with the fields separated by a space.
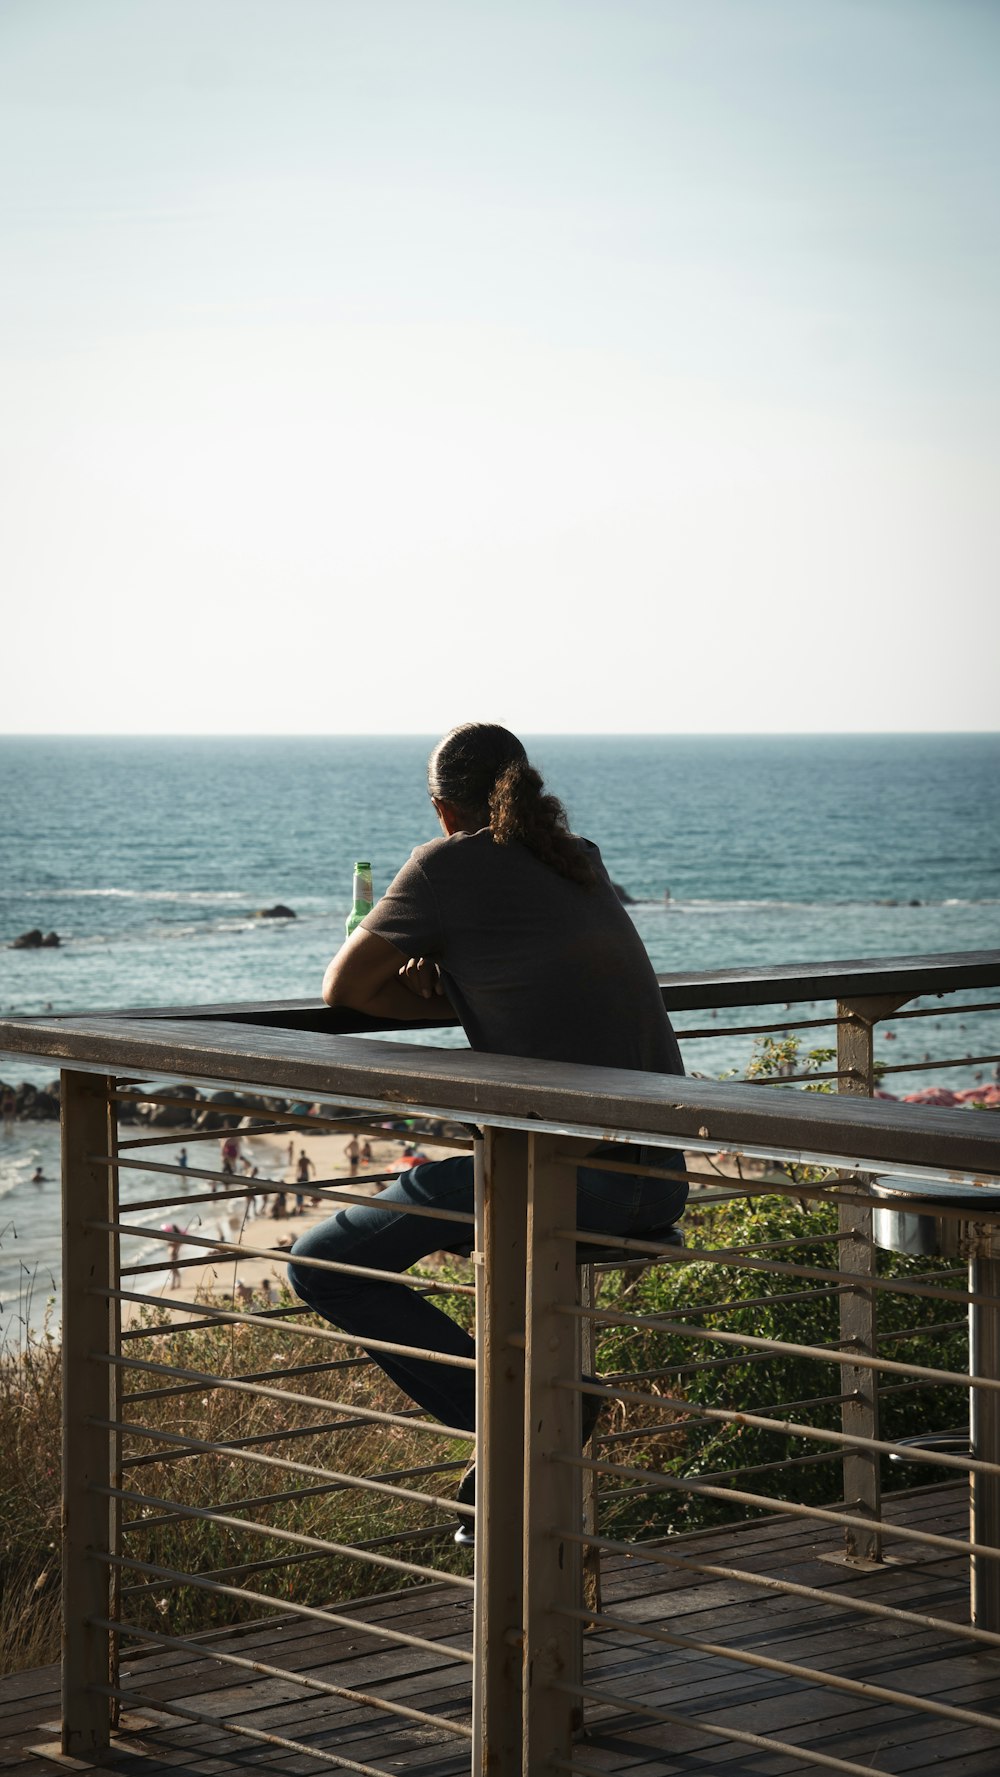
x=150 y=858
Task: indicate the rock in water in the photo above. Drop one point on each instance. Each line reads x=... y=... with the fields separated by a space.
x=32 y=940
x=278 y=911
x=624 y=897
x=51 y=941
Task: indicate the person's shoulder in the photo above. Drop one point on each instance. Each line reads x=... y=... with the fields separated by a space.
x=451 y=851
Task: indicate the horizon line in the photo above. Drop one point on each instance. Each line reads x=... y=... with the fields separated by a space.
x=532 y=733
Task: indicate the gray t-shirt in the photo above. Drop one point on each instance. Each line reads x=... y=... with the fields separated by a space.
x=533 y=964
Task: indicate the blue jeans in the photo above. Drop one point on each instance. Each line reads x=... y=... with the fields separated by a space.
x=377 y=1235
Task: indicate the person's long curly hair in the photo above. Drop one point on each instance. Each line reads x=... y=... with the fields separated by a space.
x=484 y=772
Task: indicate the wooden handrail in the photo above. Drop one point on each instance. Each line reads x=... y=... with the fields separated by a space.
x=516 y=1090
x=773 y=984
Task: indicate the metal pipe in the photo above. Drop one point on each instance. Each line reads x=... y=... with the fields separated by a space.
x=233 y=1317
x=161 y=1705
x=922 y=1067
x=731 y=1257
x=201 y=1446
x=741 y=1736
x=758 y=1030
x=826 y=1354
x=284 y=1394
x=282 y=1606
x=839 y=1600
x=298 y=1537
x=789 y=1508
x=233 y=1249
x=321 y=1686
x=852 y=1687
x=787 y=1428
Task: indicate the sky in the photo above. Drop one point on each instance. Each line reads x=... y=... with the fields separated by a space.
x=586 y=365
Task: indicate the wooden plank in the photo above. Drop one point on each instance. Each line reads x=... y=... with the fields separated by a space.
x=500 y=1309
x=551 y=1095
x=683 y=991
x=857 y=1253
x=909 y=976
x=552 y=1499
x=90 y=1329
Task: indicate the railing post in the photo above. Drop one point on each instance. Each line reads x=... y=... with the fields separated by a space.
x=90 y=1323
x=501 y=1208
x=552 y=1572
x=858 y=1318
x=984 y=1425
x=587 y=1349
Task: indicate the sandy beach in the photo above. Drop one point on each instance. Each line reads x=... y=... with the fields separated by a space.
x=244 y=1278
x=231 y=1275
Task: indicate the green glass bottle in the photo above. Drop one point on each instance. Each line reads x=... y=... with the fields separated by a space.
x=364 y=897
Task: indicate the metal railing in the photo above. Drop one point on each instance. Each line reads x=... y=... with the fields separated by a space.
x=213 y=1447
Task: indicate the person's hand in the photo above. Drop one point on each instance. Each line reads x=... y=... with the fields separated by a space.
x=422 y=977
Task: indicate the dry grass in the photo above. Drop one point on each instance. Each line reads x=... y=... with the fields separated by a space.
x=30 y=1424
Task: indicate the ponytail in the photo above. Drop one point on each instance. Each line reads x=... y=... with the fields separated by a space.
x=483 y=771
x=519 y=809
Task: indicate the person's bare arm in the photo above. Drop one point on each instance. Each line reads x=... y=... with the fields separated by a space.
x=370 y=975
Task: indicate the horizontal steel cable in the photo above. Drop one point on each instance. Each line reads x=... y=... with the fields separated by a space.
x=656 y=1482
x=332 y=1335
x=280 y=1605
x=200 y=1446
x=732 y=1259
x=222 y=1249
x=662 y=1557
x=298 y=1537
x=826 y=1354
x=853 y=1687
x=922 y=1067
x=139 y=1700
x=282 y=1394
x=739 y=1736
x=267 y=1188
x=786 y=1428
x=321 y=1686
x=302 y=1559
x=946 y=1011
x=757 y=1030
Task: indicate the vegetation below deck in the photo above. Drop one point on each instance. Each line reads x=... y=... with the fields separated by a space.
x=653 y=1438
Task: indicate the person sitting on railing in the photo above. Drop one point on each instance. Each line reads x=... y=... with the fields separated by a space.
x=513 y=920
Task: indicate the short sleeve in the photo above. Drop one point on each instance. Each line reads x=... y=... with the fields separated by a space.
x=407 y=915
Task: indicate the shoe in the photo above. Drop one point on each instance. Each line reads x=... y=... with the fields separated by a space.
x=465 y=1535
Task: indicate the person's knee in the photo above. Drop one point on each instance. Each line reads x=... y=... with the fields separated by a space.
x=303 y=1278
x=298 y=1281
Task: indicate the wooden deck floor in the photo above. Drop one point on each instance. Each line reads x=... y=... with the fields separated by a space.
x=890 y=1737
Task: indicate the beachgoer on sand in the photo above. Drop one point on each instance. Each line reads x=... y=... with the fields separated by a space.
x=573 y=983
x=230 y=1150
x=304 y=1170
x=173 y=1254
x=352 y=1154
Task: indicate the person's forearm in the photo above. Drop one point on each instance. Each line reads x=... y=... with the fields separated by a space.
x=393 y=1000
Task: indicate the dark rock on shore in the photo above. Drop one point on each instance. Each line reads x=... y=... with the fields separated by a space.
x=33 y=1104
x=36 y=940
x=278 y=911
x=172 y=1116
